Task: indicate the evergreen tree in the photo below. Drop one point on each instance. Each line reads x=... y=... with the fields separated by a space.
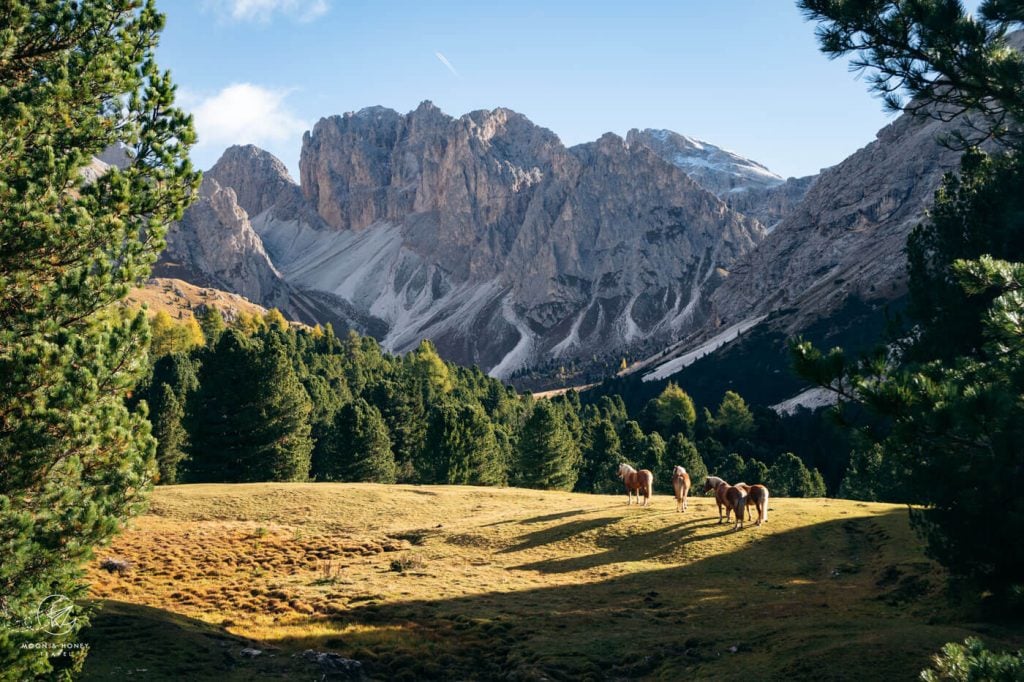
x=169 y=433
x=673 y=411
x=733 y=422
x=733 y=469
x=951 y=406
x=357 y=447
x=211 y=322
x=249 y=418
x=75 y=79
x=790 y=477
x=681 y=451
x=601 y=458
x=462 y=447
x=634 y=443
x=757 y=472
x=548 y=455
x=978 y=212
x=653 y=458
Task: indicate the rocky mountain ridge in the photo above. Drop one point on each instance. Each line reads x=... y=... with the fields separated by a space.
x=483 y=233
x=487 y=235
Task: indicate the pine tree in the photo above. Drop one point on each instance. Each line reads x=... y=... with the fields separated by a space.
x=733 y=469
x=601 y=457
x=211 y=321
x=950 y=407
x=757 y=472
x=634 y=443
x=462 y=447
x=75 y=79
x=733 y=421
x=406 y=418
x=249 y=418
x=673 y=411
x=653 y=455
x=790 y=477
x=169 y=433
x=681 y=451
x=356 y=448
x=548 y=455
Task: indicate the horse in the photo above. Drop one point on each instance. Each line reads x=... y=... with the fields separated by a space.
x=729 y=497
x=637 y=482
x=681 y=486
x=737 y=499
x=719 y=486
x=757 y=495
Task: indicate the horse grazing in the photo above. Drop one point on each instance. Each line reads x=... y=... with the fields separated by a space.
x=637 y=482
x=757 y=495
x=729 y=497
x=737 y=499
x=681 y=486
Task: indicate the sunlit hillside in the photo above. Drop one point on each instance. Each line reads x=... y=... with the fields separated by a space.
x=476 y=583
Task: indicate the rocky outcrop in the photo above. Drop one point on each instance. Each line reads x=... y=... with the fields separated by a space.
x=844 y=241
x=259 y=179
x=769 y=205
x=848 y=234
x=215 y=245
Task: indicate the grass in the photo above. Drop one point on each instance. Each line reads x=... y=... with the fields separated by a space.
x=474 y=583
x=179 y=298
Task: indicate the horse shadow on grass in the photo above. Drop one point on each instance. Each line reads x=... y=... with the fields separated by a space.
x=622 y=548
x=555 y=534
x=799 y=619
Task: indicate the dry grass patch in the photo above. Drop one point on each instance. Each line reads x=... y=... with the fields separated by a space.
x=426 y=582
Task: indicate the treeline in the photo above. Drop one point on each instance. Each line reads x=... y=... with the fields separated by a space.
x=260 y=400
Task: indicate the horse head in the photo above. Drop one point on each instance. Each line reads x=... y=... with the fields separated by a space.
x=712 y=483
x=625 y=470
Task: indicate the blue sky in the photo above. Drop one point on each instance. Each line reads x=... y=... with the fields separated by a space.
x=742 y=74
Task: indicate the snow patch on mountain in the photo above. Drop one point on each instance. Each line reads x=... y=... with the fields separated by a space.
x=669 y=368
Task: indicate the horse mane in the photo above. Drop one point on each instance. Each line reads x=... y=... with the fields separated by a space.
x=678 y=470
x=626 y=468
x=715 y=481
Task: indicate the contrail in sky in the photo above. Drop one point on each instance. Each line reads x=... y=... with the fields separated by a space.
x=444 y=60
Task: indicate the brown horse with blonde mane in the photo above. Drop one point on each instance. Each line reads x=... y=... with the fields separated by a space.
x=728 y=497
x=637 y=482
x=757 y=495
x=681 y=486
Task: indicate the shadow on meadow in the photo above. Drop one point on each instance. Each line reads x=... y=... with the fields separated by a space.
x=828 y=601
x=129 y=641
x=849 y=599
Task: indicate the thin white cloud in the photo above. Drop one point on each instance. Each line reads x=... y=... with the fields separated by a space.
x=242 y=113
x=444 y=60
x=263 y=11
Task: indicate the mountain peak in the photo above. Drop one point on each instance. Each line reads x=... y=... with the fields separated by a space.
x=716 y=169
x=258 y=177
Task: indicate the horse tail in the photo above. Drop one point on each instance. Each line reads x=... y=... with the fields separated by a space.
x=764 y=516
x=649 y=484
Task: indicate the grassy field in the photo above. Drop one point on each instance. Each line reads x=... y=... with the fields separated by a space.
x=477 y=583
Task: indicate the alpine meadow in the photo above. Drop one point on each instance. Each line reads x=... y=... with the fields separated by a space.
x=472 y=399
